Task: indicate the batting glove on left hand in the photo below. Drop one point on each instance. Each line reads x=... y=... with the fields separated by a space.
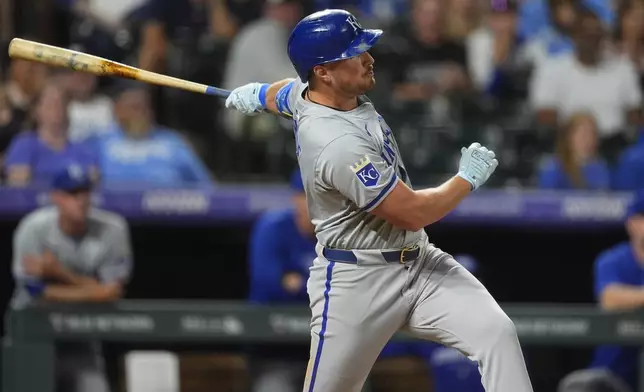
x=248 y=98
x=477 y=164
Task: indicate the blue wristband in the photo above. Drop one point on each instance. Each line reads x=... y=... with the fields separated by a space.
x=35 y=287
x=262 y=94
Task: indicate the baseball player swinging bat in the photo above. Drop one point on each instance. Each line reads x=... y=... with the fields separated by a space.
x=376 y=271
x=66 y=58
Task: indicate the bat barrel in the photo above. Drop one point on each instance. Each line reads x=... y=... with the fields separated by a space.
x=56 y=57
x=77 y=61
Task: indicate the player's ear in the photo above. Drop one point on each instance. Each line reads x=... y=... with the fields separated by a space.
x=321 y=72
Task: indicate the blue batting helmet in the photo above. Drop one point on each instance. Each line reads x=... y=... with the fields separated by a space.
x=327 y=36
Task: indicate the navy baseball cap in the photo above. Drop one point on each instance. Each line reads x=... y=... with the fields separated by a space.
x=296 y=181
x=72 y=178
x=637 y=205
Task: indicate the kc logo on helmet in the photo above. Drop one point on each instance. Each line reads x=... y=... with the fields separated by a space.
x=354 y=23
x=366 y=172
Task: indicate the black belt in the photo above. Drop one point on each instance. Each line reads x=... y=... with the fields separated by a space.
x=391 y=256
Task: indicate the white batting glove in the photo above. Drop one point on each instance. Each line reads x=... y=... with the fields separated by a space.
x=247 y=98
x=476 y=165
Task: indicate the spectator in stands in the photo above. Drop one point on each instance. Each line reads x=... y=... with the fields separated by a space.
x=26 y=79
x=12 y=121
x=376 y=12
x=424 y=61
x=190 y=39
x=34 y=157
x=629 y=34
x=554 y=38
x=70 y=252
x=536 y=16
x=282 y=248
x=576 y=164
x=89 y=112
x=104 y=28
x=264 y=39
x=493 y=51
x=184 y=22
x=591 y=79
x=137 y=152
x=462 y=18
x=619 y=286
x=629 y=171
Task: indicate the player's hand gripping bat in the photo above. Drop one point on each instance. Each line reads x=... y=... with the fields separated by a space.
x=65 y=58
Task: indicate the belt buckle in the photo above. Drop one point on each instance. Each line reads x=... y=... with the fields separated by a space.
x=407 y=249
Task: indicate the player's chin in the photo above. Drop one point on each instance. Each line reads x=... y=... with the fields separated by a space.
x=369 y=82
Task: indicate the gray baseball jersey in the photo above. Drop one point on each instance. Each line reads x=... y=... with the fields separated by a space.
x=103 y=253
x=349 y=162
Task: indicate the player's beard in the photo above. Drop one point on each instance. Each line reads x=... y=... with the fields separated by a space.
x=366 y=84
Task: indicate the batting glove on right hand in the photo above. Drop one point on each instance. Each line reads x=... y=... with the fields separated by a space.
x=247 y=99
x=476 y=165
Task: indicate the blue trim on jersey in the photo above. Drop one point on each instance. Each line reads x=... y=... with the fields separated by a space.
x=35 y=287
x=382 y=193
x=281 y=99
x=318 y=354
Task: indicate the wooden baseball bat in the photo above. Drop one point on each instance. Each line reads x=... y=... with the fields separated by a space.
x=66 y=58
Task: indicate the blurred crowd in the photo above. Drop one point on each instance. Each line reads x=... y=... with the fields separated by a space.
x=553 y=86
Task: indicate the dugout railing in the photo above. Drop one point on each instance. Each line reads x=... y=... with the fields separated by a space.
x=29 y=350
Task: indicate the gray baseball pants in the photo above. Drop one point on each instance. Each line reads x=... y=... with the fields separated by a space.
x=356 y=308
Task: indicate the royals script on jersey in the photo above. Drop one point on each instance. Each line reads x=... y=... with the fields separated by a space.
x=349 y=162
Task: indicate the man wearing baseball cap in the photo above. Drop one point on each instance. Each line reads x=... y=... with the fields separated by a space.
x=619 y=286
x=71 y=252
x=282 y=248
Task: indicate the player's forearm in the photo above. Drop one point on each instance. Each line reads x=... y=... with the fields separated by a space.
x=432 y=204
x=271 y=94
x=79 y=280
x=66 y=276
x=65 y=293
x=622 y=297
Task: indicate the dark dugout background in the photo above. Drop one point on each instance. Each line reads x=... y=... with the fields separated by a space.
x=518 y=264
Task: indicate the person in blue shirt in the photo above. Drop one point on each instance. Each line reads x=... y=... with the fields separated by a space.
x=629 y=171
x=536 y=16
x=34 y=157
x=619 y=286
x=554 y=37
x=136 y=152
x=282 y=248
x=451 y=370
x=375 y=11
x=576 y=164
